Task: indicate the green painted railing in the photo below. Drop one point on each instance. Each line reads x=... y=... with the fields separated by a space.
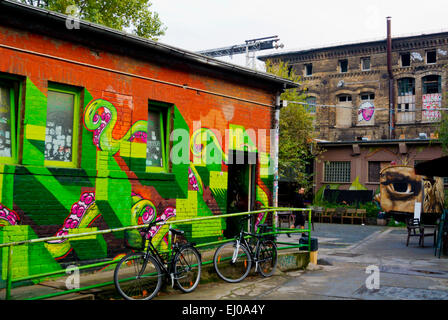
x=11 y=245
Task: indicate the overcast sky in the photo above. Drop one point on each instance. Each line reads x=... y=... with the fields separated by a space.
x=197 y=25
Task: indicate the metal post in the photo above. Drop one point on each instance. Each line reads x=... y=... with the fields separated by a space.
x=309 y=232
x=391 y=82
x=274 y=145
x=9 y=274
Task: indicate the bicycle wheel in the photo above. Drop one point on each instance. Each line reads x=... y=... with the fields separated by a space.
x=226 y=267
x=187 y=269
x=267 y=257
x=136 y=280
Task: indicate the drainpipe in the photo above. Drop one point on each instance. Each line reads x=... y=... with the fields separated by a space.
x=391 y=82
x=274 y=145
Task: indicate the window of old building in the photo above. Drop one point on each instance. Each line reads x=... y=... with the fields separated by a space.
x=157 y=144
x=406 y=87
x=365 y=63
x=366 y=110
x=405 y=59
x=311 y=104
x=61 y=132
x=431 y=84
x=367 y=96
x=374 y=171
x=345 y=98
x=431 y=56
x=308 y=69
x=344 y=111
x=337 y=171
x=343 y=66
x=406 y=100
x=431 y=98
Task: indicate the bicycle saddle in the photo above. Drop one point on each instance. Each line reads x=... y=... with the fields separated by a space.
x=177 y=232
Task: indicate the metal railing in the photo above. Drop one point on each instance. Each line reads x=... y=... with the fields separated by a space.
x=10 y=280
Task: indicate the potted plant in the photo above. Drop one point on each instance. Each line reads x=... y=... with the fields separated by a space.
x=381 y=219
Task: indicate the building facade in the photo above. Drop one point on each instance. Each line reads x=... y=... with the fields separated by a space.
x=373 y=106
x=102 y=130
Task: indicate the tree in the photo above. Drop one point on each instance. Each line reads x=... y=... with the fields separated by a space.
x=297 y=147
x=442 y=132
x=131 y=15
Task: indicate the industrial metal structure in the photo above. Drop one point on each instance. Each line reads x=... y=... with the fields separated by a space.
x=249 y=48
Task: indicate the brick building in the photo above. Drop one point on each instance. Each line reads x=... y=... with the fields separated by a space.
x=101 y=129
x=374 y=104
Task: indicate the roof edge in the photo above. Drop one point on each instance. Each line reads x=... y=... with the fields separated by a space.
x=154 y=45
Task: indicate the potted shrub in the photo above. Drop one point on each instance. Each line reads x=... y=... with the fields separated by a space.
x=381 y=220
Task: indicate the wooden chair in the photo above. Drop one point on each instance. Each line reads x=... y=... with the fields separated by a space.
x=349 y=214
x=361 y=214
x=316 y=213
x=285 y=217
x=339 y=213
x=417 y=229
x=328 y=213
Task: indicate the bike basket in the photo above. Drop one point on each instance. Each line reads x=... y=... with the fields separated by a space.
x=134 y=240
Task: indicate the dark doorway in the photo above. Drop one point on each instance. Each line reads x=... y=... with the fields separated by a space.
x=240 y=191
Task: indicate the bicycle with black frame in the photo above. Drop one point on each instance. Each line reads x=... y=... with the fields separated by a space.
x=233 y=260
x=139 y=275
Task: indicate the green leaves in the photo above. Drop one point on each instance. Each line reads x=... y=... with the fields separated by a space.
x=297 y=147
x=132 y=16
x=442 y=131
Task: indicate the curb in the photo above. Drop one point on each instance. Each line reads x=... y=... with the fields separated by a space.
x=288 y=260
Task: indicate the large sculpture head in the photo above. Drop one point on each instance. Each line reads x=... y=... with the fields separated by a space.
x=400 y=189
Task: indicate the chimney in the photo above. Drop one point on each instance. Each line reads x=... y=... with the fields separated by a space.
x=391 y=82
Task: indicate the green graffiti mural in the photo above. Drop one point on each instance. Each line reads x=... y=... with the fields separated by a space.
x=112 y=187
x=82 y=215
x=101 y=117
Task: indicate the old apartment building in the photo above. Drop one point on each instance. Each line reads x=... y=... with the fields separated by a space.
x=376 y=103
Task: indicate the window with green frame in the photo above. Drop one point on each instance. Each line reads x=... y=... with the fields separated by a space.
x=9 y=92
x=157 y=145
x=61 y=132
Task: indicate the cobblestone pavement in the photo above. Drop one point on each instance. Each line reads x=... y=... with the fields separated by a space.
x=338 y=235
x=347 y=255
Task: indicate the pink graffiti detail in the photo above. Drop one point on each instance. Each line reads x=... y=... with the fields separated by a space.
x=260 y=218
x=78 y=211
x=105 y=119
x=169 y=213
x=8 y=215
x=139 y=135
x=192 y=180
x=367 y=113
x=148 y=215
